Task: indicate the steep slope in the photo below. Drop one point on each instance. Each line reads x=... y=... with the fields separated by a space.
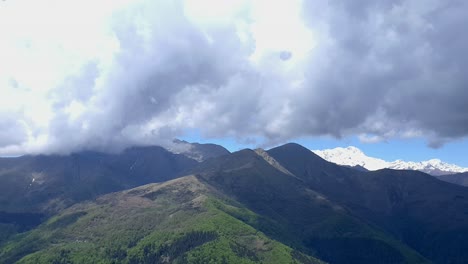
x=180 y=221
x=316 y=172
x=33 y=187
x=429 y=215
x=301 y=217
x=352 y=156
x=459 y=178
x=44 y=183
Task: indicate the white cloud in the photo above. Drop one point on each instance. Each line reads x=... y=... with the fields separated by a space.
x=105 y=75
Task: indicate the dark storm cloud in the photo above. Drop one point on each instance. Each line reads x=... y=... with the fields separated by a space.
x=378 y=69
x=396 y=66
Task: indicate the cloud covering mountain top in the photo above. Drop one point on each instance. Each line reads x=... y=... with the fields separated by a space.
x=105 y=75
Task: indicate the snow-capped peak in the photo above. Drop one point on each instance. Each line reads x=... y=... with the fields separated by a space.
x=352 y=156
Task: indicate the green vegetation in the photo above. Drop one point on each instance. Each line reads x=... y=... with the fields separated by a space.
x=289 y=212
x=184 y=223
x=6 y=231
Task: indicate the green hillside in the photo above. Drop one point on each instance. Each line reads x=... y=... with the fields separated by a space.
x=181 y=221
x=300 y=216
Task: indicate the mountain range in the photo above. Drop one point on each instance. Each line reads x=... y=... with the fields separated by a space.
x=283 y=205
x=352 y=156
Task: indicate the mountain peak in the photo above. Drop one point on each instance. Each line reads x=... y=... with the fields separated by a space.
x=353 y=156
x=353 y=149
x=293 y=145
x=197 y=151
x=295 y=148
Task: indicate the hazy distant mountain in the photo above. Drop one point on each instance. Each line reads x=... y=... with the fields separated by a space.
x=459 y=178
x=352 y=156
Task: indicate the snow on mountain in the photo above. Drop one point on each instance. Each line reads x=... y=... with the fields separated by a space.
x=352 y=156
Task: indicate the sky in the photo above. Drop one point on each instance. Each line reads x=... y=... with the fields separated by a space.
x=388 y=76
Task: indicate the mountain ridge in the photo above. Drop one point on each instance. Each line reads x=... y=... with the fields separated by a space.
x=458 y=178
x=411 y=205
x=352 y=156
x=184 y=220
x=283 y=205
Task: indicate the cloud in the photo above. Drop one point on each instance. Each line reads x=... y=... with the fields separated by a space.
x=12 y=131
x=144 y=72
x=391 y=66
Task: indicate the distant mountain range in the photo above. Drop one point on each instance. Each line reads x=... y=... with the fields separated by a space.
x=352 y=156
x=458 y=178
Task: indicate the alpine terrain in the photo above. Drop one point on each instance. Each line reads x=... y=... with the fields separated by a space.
x=352 y=156
x=283 y=205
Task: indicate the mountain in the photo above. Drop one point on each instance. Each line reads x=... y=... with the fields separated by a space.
x=197 y=151
x=429 y=215
x=299 y=216
x=283 y=205
x=238 y=208
x=352 y=156
x=48 y=183
x=180 y=221
x=459 y=178
x=36 y=187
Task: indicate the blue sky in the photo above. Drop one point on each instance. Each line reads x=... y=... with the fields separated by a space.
x=414 y=149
